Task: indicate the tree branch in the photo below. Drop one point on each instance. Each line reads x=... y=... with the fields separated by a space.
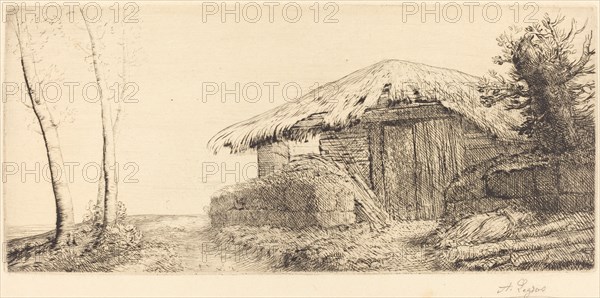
x=581 y=65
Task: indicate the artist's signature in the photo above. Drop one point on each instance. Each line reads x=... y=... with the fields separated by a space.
x=521 y=288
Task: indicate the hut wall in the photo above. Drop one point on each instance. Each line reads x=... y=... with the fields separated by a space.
x=479 y=146
x=272 y=158
x=350 y=147
x=299 y=149
x=375 y=133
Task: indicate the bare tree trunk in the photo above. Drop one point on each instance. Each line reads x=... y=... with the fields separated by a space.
x=48 y=127
x=108 y=152
x=566 y=126
x=101 y=186
x=564 y=113
x=561 y=134
x=101 y=182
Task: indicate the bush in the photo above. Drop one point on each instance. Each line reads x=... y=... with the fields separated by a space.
x=119 y=235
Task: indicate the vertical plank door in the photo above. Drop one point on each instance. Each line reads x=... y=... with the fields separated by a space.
x=399 y=171
x=438 y=158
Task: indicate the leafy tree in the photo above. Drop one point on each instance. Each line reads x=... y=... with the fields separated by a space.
x=545 y=83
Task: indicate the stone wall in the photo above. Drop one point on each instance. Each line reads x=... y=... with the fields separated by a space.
x=547 y=187
x=304 y=194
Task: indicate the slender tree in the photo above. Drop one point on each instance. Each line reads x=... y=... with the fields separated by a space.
x=49 y=131
x=108 y=140
x=545 y=83
x=121 y=94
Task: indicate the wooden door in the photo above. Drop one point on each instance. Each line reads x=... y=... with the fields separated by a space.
x=399 y=171
x=438 y=159
x=418 y=162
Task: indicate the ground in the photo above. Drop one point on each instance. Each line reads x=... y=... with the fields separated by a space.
x=190 y=245
x=356 y=248
x=169 y=243
x=519 y=240
x=186 y=243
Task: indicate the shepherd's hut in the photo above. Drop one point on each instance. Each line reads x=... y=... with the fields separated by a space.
x=406 y=128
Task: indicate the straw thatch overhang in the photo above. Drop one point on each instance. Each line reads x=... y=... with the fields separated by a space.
x=391 y=89
x=411 y=112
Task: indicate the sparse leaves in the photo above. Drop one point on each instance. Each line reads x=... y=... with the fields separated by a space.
x=498 y=89
x=543 y=81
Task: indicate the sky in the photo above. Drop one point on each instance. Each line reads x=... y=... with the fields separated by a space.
x=186 y=55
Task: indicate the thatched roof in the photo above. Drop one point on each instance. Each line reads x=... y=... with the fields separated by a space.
x=341 y=103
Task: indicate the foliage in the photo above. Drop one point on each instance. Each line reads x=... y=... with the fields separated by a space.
x=94 y=214
x=118 y=234
x=545 y=83
x=121 y=212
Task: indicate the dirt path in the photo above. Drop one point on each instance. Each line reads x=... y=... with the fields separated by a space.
x=183 y=244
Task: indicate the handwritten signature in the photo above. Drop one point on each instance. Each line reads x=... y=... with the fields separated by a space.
x=521 y=288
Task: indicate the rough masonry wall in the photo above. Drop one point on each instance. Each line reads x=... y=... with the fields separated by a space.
x=306 y=193
x=557 y=186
